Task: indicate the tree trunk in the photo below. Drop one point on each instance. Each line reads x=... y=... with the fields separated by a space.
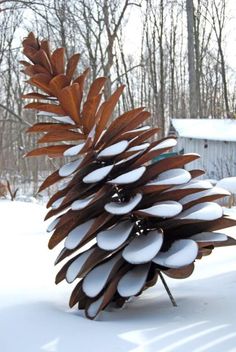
x=193 y=105
x=224 y=81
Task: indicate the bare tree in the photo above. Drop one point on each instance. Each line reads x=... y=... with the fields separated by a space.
x=156 y=76
x=193 y=96
x=218 y=18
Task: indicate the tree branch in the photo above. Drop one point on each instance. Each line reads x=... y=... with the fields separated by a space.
x=18 y=117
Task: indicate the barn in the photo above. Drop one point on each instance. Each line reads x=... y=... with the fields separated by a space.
x=213 y=139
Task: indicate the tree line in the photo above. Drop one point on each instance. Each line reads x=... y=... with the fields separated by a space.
x=179 y=68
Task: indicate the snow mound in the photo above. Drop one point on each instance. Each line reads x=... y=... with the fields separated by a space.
x=37 y=312
x=228 y=183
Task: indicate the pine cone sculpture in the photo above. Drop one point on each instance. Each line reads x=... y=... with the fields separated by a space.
x=124 y=219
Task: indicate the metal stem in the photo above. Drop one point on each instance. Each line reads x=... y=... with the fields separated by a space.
x=168 y=290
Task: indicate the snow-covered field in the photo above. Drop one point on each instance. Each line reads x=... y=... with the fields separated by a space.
x=34 y=315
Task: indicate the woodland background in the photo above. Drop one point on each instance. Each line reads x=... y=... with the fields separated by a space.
x=169 y=53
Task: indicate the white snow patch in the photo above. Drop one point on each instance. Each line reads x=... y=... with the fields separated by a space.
x=140 y=129
x=97 y=278
x=98 y=174
x=74 y=150
x=165 y=209
x=129 y=177
x=124 y=207
x=114 y=149
x=133 y=281
x=228 y=183
x=181 y=253
x=69 y=168
x=173 y=176
x=168 y=143
x=231 y=212
x=209 y=129
x=207 y=211
x=143 y=248
x=75 y=236
x=92 y=133
x=194 y=184
x=64 y=119
x=64 y=184
x=205 y=193
x=77 y=265
x=113 y=238
x=209 y=237
x=81 y=203
x=94 y=307
x=57 y=203
x=213 y=181
x=53 y=224
x=37 y=310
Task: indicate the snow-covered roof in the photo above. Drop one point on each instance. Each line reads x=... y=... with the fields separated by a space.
x=213 y=129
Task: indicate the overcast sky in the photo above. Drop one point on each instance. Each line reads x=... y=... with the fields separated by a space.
x=231 y=34
x=134 y=31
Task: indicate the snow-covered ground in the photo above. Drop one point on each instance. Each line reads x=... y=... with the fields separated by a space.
x=34 y=315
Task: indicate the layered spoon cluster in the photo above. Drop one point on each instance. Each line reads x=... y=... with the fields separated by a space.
x=124 y=212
